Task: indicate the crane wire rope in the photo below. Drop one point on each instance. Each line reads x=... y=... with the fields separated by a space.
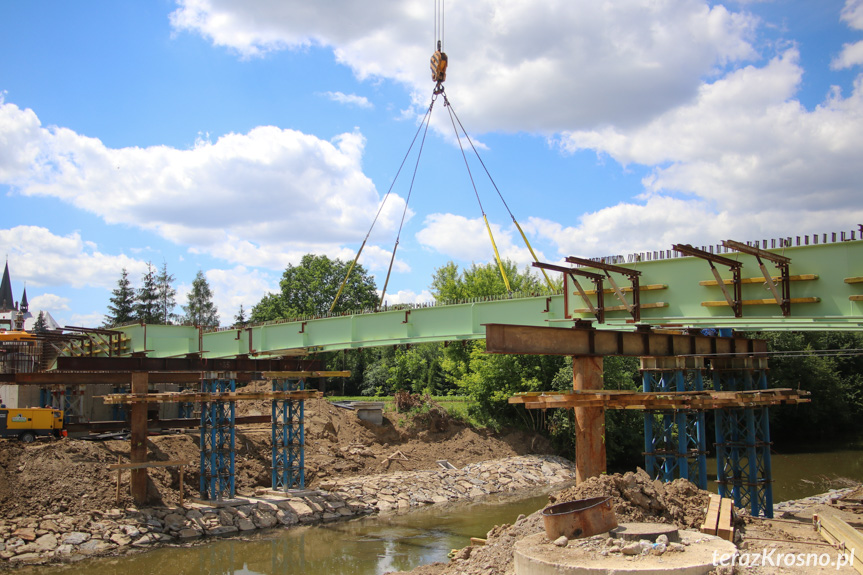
x=475 y=191
x=381 y=207
x=453 y=113
x=427 y=121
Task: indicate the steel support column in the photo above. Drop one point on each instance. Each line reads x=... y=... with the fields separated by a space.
x=675 y=445
x=743 y=466
x=218 y=432
x=288 y=438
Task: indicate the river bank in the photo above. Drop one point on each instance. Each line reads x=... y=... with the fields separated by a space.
x=70 y=538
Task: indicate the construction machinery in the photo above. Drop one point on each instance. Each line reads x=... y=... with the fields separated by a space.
x=29 y=423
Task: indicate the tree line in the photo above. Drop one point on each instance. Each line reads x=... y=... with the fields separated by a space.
x=154 y=301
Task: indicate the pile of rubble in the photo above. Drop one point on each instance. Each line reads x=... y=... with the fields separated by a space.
x=638 y=498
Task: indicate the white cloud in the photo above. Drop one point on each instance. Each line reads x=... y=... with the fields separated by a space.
x=232 y=287
x=464 y=239
x=84 y=320
x=349 y=99
x=747 y=158
x=41 y=258
x=49 y=302
x=234 y=198
x=851 y=55
x=852 y=13
x=517 y=65
x=408 y=296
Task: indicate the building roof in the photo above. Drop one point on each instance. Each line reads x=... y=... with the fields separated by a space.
x=7 y=300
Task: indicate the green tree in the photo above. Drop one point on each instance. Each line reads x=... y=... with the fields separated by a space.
x=147 y=298
x=830 y=367
x=240 y=319
x=121 y=310
x=484 y=280
x=39 y=325
x=200 y=309
x=167 y=295
x=311 y=287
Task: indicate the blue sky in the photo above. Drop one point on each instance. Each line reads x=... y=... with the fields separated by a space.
x=235 y=137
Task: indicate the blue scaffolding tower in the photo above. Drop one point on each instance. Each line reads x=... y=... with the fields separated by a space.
x=288 y=437
x=675 y=444
x=218 y=431
x=743 y=438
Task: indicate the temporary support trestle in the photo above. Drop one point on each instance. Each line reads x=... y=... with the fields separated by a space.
x=675 y=444
x=68 y=398
x=743 y=438
x=218 y=433
x=288 y=437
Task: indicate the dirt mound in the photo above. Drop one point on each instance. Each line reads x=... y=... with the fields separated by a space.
x=637 y=498
x=72 y=476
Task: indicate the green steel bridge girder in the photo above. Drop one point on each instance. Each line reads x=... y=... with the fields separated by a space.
x=681 y=297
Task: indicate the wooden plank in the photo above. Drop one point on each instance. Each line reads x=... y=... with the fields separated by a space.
x=623 y=307
x=149 y=464
x=650 y=287
x=838 y=532
x=711 y=520
x=761 y=301
x=725 y=526
x=856 y=280
x=171 y=397
x=855 y=297
x=760 y=280
x=302 y=374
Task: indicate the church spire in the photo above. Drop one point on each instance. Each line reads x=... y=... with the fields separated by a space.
x=24 y=306
x=7 y=300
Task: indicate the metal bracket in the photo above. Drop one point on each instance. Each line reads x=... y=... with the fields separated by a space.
x=599 y=309
x=783 y=299
x=635 y=307
x=736 y=302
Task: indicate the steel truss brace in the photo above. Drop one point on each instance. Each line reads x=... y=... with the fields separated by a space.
x=736 y=302
x=784 y=299
x=599 y=309
x=635 y=307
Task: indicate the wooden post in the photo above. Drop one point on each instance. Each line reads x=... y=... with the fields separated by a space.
x=138 y=447
x=589 y=421
x=119 y=473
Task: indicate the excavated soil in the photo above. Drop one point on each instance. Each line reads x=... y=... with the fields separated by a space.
x=636 y=497
x=72 y=476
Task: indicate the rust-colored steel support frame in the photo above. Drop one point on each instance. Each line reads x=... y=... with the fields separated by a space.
x=735 y=302
x=633 y=275
x=782 y=263
x=599 y=310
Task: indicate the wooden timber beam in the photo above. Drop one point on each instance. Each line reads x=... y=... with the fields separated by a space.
x=195 y=397
x=189 y=363
x=101 y=377
x=577 y=341
x=701 y=400
x=138 y=439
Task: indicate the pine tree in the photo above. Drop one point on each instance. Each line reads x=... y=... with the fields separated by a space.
x=122 y=307
x=39 y=326
x=167 y=295
x=200 y=309
x=147 y=300
x=240 y=319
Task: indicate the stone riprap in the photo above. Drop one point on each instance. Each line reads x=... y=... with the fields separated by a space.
x=402 y=490
x=57 y=537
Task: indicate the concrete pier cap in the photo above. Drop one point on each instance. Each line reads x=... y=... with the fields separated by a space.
x=536 y=555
